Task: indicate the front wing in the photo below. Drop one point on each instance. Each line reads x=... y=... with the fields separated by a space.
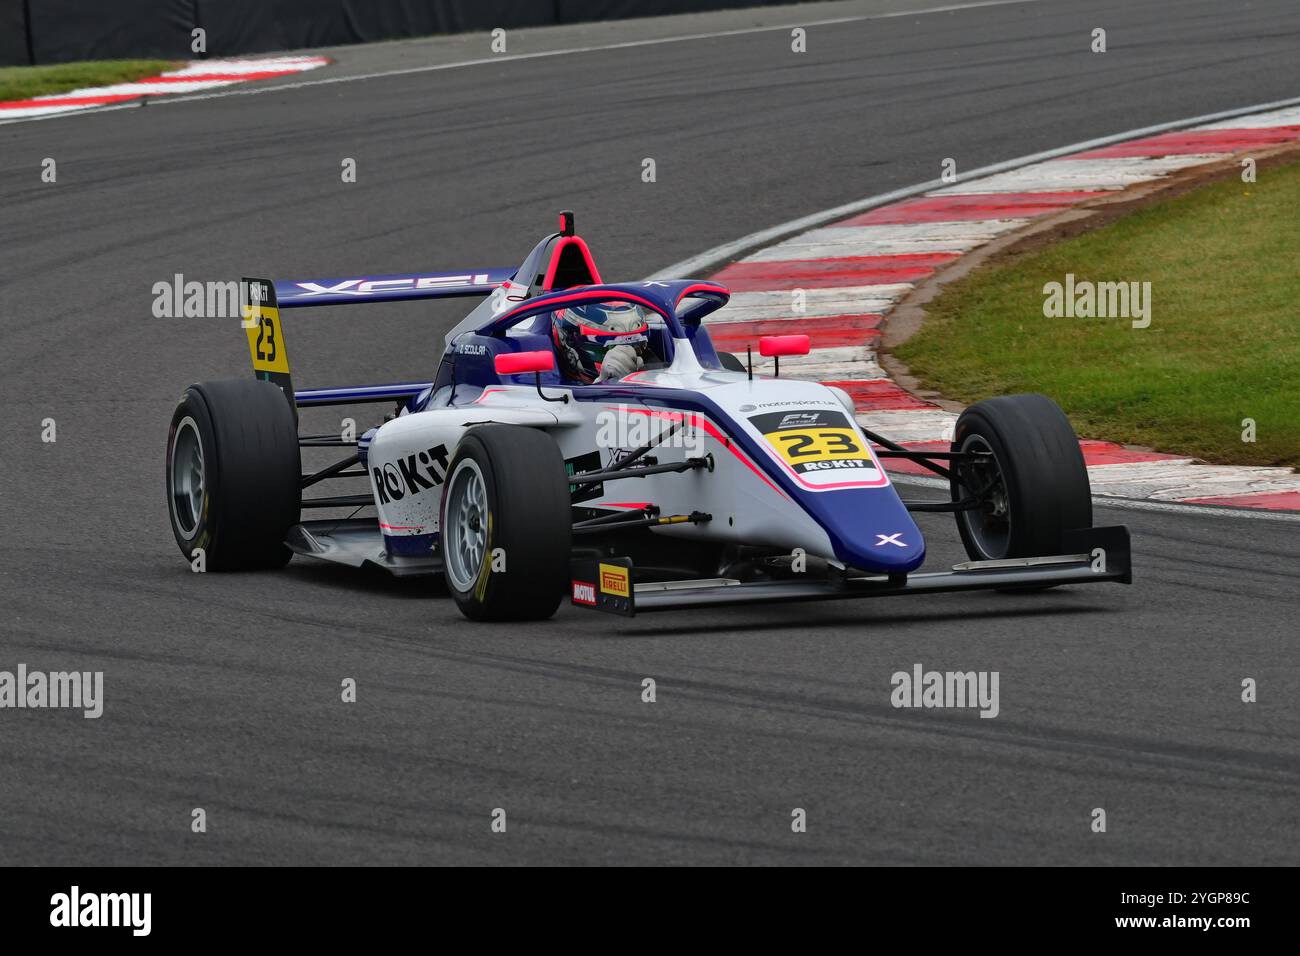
x=1096 y=555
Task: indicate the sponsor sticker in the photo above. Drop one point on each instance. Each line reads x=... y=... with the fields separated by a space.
x=262 y=326
x=821 y=447
x=584 y=463
x=615 y=580
x=602 y=585
x=417 y=472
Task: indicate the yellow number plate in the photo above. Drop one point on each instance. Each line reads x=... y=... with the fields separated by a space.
x=262 y=326
x=801 y=446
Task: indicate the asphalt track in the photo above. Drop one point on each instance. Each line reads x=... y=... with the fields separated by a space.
x=222 y=692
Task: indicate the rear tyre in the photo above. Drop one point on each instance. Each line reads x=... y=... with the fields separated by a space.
x=1034 y=486
x=505 y=524
x=233 y=474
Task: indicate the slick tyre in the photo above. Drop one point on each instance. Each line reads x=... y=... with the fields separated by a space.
x=233 y=475
x=1032 y=485
x=505 y=524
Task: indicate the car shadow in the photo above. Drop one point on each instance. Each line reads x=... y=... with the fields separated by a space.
x=801 y=617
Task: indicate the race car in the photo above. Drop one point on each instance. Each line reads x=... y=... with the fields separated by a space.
x=586 y=440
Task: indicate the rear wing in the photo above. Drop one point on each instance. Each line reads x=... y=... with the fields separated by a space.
x=388 y=288
x=262 y=300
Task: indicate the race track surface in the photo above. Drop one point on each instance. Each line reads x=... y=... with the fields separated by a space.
x=222 y=692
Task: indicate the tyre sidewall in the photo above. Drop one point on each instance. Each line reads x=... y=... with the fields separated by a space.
x=1042 y=467
x=252 y=471
x=193 y=406
x=529 y=520
x=473 y=602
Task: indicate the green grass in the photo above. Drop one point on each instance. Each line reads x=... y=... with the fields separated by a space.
x=1223 y=344
x=24 y=82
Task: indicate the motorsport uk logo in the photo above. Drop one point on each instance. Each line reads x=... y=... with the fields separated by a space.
x=76 y=909
x=76 y=690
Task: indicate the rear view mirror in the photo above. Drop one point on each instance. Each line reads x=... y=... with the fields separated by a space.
x=516 y=363
x=772 y=346
x=521 y=363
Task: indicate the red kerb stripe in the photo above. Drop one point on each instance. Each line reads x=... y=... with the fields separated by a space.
x=969 y=207
x=829 y=273
x=1271 y=500
x=1197 y=141
x=880 y=395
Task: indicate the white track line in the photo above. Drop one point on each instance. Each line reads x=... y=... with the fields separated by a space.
x=498 y=59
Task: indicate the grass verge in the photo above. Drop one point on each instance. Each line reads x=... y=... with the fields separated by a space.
x=24 y=82
x=1223 y=344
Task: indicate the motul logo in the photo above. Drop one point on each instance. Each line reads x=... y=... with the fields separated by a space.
x=584 y=593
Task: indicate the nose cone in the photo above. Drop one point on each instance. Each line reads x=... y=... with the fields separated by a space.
x=869 y=528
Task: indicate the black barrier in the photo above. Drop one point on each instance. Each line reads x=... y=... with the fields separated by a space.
x=13 y=33
x=66 y=30
x=239 y=26
x=579 y=11
x=315 y=24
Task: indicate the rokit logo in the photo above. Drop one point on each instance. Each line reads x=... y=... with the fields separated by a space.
x=836 y=464
x=410 y=475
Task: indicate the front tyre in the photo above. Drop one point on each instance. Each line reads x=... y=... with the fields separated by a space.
x=233 y=475
x=505 y=524
x=1032 y=484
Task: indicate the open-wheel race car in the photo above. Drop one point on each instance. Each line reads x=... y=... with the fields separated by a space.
x=586 y=440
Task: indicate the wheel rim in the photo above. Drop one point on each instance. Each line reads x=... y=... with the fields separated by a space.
x=187 y=477
x=465 y=525
x=988 y=526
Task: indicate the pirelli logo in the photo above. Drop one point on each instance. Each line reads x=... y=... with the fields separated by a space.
x=615 y=580
x=603 y=585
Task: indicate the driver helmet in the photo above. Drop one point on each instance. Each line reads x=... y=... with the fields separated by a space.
x=584 y=334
